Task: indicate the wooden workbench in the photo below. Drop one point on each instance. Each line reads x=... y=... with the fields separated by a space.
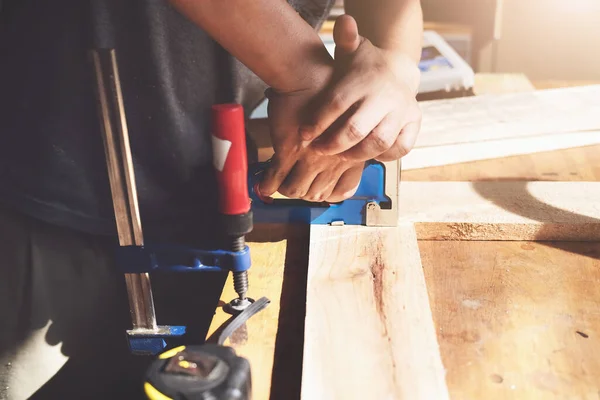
x=513 y=319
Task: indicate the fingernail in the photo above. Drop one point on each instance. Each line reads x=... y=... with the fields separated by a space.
x=265 y=198
x=261 y=191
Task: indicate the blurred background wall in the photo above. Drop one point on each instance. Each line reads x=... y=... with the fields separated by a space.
x=549 y=39
x=544 y=39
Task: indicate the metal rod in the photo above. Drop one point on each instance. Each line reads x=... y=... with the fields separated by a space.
x=122 y=181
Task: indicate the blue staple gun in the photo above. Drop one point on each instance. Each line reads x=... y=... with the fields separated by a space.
x=375 y=202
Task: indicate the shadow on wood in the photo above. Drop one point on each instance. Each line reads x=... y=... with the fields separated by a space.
x=287 y=364
x=286 y=376
x=532 y=208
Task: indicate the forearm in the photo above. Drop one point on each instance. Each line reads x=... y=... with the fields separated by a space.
x=267 y=36
x=394 y=25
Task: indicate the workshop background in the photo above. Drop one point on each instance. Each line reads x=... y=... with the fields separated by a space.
x=543 y=39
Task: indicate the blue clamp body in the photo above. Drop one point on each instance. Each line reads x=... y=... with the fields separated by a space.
x=167 y=257
x=351 y=211
x=173 y=258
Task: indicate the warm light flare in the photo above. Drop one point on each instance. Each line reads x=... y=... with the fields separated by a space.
x=575 y=6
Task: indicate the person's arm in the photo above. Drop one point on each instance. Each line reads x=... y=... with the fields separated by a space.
x=268 y=36
x=394 y=25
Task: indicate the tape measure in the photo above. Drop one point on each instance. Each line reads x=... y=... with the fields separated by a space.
x=204 y=372
x=199 y=372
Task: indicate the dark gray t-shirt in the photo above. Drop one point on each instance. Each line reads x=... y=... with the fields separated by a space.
x=52 y=162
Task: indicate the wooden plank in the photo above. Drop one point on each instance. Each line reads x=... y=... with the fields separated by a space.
x=426 y=157
x=505 y=116
x=286 y=327
x=453 y=273
x=516 y=320
x=507 y=313
x=368 y=329
x=578 y=164
x=494 y=126
x=567 y=211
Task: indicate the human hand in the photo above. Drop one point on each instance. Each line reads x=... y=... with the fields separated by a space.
x=367 y=87
x=370 y=112
x=296 y=171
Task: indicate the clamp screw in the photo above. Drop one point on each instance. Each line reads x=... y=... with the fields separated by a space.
x=240 y=279
x=240 y=284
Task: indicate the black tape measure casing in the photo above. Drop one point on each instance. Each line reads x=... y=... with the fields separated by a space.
x=205 y=372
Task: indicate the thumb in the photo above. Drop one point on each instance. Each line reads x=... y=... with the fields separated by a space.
x=345 y=35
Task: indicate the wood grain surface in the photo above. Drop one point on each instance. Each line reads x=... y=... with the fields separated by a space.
x=507 y=210
x=557 y=281
x=434 y=156
x=502 y=125
x=369 y=332
x=579 y=164
x=509 y=115
x=516 y=320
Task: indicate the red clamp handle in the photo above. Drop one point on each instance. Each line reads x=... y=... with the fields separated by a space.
x=230 y=159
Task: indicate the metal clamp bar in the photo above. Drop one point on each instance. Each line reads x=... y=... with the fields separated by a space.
x=122 y=181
